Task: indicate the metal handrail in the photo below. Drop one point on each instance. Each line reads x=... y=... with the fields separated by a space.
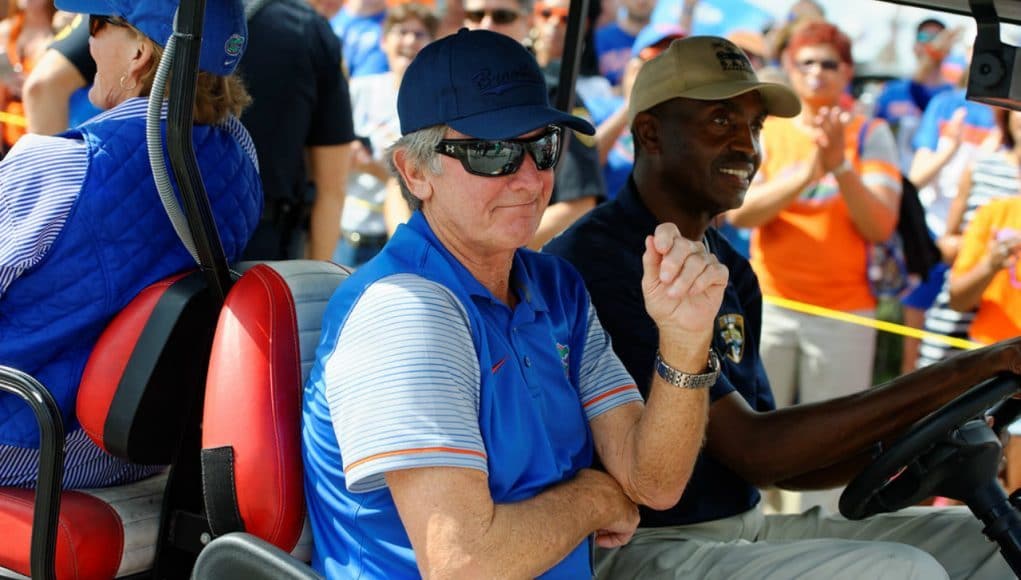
x=51 y=467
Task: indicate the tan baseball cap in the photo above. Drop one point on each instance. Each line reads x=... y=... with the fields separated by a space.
x=706 y=68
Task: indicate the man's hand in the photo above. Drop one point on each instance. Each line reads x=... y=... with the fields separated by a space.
x=683 y=284
x=621 y=512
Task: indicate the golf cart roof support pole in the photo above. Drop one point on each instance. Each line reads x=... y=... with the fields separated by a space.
x=571 y=60
x=188 y=31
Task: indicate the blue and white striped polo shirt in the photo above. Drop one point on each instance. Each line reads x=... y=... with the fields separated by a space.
x=420 y=365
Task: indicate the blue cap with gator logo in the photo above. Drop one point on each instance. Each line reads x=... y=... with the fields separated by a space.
x=224 y=29
x=481 y=83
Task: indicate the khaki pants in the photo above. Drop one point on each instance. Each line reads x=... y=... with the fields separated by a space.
x=815 y=359
x=916 y=543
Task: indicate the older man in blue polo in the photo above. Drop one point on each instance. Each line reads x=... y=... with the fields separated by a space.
x=463 y=386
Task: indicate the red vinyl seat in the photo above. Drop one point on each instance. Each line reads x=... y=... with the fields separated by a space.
x=127 y=406
x=262 y=351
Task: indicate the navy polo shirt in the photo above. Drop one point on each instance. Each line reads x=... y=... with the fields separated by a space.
x=606 y=246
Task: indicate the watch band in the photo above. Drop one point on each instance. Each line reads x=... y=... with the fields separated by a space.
x=683 y=380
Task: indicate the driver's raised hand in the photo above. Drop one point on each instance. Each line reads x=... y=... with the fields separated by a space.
x=683 y=286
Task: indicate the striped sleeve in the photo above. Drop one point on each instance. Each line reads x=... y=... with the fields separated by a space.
x=880 y=165
x=604 y=383
x=402 y=384
x=39 y=183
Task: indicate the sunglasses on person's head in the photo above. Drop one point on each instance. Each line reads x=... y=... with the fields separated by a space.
x=498 y=16
x=546 y=12
x=825 y=64
x=96 y=23
x=493 y=158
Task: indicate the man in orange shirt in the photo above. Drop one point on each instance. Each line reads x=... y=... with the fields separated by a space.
x=828 y=187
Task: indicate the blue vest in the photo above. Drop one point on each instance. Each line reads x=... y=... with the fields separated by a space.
x=116 y=241
x=531 y=419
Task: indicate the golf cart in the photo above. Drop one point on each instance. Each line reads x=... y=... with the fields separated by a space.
x=204 y=372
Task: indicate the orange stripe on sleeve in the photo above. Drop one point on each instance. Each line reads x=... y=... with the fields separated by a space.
x=412 y=452
x=609 y=393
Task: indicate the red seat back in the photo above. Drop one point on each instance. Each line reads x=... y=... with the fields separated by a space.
x=132 y=401
x=263 y=348
x=147 y=366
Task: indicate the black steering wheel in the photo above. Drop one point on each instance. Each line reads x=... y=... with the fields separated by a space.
x=927 y=458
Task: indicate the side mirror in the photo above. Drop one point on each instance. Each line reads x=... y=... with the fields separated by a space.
x=995 y=74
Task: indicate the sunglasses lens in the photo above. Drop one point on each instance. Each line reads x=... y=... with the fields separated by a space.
x=494 y=157
x=546 y=150
x=499 y=16
x=504 y=16
x=827 y=65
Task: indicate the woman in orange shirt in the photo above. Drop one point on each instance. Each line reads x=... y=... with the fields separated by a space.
x=828 y=187
x=985 y=273
x=24 y=36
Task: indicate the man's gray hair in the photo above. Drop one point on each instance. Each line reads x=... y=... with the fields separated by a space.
x=420 y=150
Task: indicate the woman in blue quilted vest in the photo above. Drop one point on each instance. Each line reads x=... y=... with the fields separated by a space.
x=82 y=229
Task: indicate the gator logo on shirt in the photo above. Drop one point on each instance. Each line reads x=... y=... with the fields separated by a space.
x=731 y=329
x=565 y=352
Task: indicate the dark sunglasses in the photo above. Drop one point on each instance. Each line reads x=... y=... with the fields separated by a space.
x=498 y=16
x=825 y=64
x=503 y=157
x=96 y=23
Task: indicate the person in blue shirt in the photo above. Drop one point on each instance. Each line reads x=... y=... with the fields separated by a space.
x=463 y=385
x=902 y=101
x=614 y=40
x=359 y=26
x=82 y=229
x=696 y=113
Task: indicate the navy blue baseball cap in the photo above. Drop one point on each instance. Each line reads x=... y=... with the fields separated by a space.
x=224 y=29
x=481 y=83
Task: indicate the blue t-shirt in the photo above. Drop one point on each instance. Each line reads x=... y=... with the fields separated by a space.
x=941 y=108
x=360 y=42
x=419 y=365
x=606 y=246
x=621 y=156
x=613 y=49
x=901 y=105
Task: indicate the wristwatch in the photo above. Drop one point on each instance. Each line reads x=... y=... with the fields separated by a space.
x=683 y=380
